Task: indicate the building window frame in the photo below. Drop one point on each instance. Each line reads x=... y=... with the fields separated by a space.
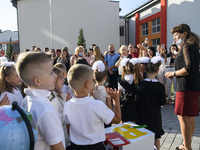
x=121 y=30
x=145 y=29
x=155 y=25
x=155 y=42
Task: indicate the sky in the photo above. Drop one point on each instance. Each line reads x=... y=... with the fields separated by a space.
x=8 y=14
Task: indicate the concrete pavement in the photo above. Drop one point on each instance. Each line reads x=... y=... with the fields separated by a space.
x=172 y=136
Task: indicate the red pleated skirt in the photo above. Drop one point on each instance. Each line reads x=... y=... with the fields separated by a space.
x=186 y=103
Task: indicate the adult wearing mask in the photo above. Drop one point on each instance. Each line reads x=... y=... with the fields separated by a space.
x=110 y=61
x=79 y=53
x=188 y=82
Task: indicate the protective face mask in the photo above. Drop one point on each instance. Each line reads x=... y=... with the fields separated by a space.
x=112 y=51
x=80 y=54
x=180 y=41
x=175 y=52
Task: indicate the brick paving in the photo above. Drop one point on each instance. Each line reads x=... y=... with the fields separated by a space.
x=172 y=136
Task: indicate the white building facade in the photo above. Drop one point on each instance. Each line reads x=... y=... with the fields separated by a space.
x=56 y=23
x=155 y=19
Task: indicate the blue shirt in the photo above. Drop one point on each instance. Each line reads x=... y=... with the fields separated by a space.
x=111 y=60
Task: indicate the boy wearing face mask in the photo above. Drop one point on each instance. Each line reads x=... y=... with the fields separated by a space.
x=110 y=61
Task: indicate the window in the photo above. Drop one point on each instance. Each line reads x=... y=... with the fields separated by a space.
x=155 y=42
x=145 y=29
x=156 y=26
x=121 y=30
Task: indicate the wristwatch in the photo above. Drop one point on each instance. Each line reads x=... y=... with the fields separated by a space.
x=174 y=73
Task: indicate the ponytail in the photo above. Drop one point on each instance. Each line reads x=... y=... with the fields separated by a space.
x=137 y=74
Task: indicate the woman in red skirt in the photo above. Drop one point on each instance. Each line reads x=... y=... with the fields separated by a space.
x=188 y=81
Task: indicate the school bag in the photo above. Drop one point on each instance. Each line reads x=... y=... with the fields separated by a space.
x=129 y=107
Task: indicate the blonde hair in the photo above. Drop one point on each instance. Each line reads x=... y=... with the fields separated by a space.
x=78 y=49
x=29 y=65
x=60 y=66
x=98 y=54
x=123 y=46
x=57 y=71
x=78 y=74
x=4 y=72
x=132 y=69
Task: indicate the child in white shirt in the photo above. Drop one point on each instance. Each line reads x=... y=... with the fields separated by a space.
x=100 y=76
x=36 y=71
x=58 y=99
x=84 y=116
x=9 y=81
x=65 y=89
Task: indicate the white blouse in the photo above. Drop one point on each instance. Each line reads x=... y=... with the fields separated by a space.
x=15 y=96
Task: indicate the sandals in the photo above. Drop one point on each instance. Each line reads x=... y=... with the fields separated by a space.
x=180 y=147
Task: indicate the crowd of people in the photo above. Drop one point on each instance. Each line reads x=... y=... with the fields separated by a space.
x=73 y=97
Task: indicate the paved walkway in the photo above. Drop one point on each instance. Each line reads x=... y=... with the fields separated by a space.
x=172 y=136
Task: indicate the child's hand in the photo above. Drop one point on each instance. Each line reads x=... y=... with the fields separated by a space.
x=68 y=97
x=5 y=101
x=112 y=93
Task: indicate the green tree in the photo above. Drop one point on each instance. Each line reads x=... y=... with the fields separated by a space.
x=10 y=48
x=81 y=39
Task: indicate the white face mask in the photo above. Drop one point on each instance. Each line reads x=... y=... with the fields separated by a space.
x=175 y=52
x=179 y=42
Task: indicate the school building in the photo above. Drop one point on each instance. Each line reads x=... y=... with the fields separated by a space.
x=5 y=39
x=155 y=19
x=56 y=23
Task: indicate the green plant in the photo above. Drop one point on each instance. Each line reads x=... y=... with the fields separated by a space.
x=81 y=39
x=10 y=48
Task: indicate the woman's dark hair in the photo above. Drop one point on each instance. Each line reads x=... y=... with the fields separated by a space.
x=82 y=61
x=152 y=68
x=12 y=56
x=26 y=50
x=173 y=45
x=66 y=50
x=191 y=38
x=153 y=50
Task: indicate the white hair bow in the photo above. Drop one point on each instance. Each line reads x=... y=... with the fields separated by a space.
x=98 y=65
x=156 y=59
x=3 y=59
x=7 y=64
x=134 y=61
x=124 y=61
x=144 y=60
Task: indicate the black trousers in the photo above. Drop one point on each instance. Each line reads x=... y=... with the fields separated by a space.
x=97 y=146
x=113 y=79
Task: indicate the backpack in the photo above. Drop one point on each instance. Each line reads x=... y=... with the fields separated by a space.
x=130 y=90
x=128 y=104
